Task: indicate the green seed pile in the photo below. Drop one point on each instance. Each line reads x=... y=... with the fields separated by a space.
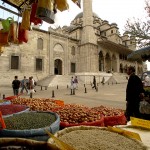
x=29 y=120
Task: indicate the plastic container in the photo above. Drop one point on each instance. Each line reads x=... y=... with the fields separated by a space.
x=36 y=134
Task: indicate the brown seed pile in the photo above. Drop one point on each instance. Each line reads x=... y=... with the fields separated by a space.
x=100 y=140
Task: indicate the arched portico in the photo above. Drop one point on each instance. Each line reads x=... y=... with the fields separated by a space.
x=101 y=61
x=108 y=63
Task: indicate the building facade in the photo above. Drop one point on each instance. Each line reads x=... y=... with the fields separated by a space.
x=88 y=46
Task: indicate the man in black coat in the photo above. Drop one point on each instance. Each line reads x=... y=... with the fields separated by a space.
x=134 y=94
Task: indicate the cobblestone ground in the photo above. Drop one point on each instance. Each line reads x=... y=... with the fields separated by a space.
x=109 y=95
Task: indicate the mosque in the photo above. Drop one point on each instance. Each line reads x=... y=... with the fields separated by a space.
x=89 y=46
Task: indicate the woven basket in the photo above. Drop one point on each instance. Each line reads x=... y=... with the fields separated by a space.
x=70 y=129
x=22 y=143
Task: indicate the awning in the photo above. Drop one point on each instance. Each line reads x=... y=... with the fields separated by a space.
x=142 y=54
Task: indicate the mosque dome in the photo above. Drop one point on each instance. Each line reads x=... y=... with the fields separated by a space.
x=80 y=15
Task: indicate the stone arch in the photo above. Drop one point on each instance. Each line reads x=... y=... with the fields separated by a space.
x=58 y=48
x=114 y=63
x=107 y=62
x=101 y=61
x=58 y=66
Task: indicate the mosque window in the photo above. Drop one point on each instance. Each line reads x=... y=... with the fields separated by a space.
x=73 y=50
x=39 y=63
x=14 y=62
x=111 y=31
x=40 y=44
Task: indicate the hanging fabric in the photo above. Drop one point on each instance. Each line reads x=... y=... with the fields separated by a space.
x=6 y=23
x=13 y=33
x=62 y=5
x=22 y=35
x=4 y=38
x=33 y=17
x=45 y=10
x=1 y=49
x=25 y=24
x=78 y=2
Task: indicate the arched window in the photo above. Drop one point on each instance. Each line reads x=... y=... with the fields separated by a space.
x=73 y=50
x=40 y=44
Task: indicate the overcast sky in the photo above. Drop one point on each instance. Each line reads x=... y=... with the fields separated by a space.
x=114 y=11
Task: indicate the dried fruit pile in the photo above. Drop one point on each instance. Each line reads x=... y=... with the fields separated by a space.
x=37 y=104
x=11 y=109
x=108 y=111
x=77 y=114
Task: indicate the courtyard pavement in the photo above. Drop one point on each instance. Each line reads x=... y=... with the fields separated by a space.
x=112 y=95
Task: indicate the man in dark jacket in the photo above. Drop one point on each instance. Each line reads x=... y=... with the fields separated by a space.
x=16 y=85
x=134 y=93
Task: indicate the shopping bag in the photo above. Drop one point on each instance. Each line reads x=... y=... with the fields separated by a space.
x=6 y=23
x=45 y=11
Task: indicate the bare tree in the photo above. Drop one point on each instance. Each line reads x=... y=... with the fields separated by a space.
x=140 y=29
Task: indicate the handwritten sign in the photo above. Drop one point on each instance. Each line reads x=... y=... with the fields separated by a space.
x=125 y=133
x=140 y=122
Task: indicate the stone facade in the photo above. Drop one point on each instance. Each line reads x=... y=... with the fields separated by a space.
x=89 y=46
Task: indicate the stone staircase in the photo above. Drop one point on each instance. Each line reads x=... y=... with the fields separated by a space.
x=64 y=80
x=120 y=77
x=54 y=80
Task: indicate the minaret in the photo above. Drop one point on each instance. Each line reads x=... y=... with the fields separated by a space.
x=88 y=35
x=88 y=60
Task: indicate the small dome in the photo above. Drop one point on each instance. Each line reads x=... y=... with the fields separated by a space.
x=80 y=15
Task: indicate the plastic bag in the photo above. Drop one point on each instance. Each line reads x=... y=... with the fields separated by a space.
x=62 y=5
x=6 y=23
x=13 y=33
x=26 y=19
x=22 y=35
x=33 y=17
x=3 y=38
x=144 y=107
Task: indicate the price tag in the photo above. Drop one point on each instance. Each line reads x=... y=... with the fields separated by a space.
x=140 y=122
x=125 y=133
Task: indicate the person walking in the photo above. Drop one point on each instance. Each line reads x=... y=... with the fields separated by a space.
x=24 y=85
x=72 y=83
x=94 y=82
x=15 y=85
x=134 y=94
x=30 y=86
x=76 y=82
